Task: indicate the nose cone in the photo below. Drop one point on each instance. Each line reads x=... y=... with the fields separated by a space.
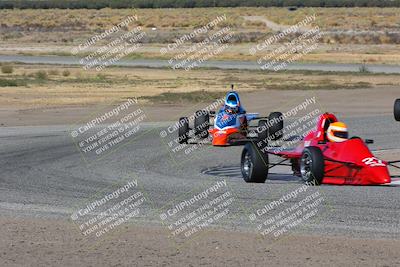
x=219 y=139
x=377 y=175
x=373 y=171
x=368 y=169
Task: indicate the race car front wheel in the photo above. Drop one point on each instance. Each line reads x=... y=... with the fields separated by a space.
x=183 y=130
x=254 y=164
x=312 y=165
x=397 y=110
x=201 y=123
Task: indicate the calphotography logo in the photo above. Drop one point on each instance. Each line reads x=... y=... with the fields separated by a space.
x=102 y=55
x=109 y=130
x=288 y=212
x=289 y=52
x=187 y=138
x=109 y=210
x=192 y=55
x=188 y=216
x=300 y=121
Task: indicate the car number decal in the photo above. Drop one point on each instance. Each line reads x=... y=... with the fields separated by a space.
x=373 y=162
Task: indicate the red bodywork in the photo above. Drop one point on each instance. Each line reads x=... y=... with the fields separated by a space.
x=232 y=134
x=223 y=137
x=346 y=163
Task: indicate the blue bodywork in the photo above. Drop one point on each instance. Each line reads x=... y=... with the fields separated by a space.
x=225 y=119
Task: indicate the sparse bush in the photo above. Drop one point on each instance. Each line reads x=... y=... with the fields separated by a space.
x=66 y=73
x=6 y=83
x=363 y=69
x=7 y=69
x=101 y=76
x=41 y=75
x=53 y=72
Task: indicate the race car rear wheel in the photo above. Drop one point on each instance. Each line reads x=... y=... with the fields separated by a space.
x=397 y=109
x=276 y=125
x=312 y=165
x=262 y=130
x=183 y=130
x=254 y=164
x=201 y=123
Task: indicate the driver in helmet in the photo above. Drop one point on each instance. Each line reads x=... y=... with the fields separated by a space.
x=337 y=132
x=232 y=104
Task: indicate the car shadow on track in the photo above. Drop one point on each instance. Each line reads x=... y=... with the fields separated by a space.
x=233 y=171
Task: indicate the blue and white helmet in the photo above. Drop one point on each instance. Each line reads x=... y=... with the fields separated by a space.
x=232 y=100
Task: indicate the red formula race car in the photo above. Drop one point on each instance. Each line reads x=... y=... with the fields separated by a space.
x=318 y=158
x=230 y=125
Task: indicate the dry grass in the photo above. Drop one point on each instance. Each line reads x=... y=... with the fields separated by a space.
x=339 y=18
x=58 y=31
x=72 y=26
x=7 y=69
x=86 y=88
x=98 y=20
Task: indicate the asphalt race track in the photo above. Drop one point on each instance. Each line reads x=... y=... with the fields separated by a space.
x=220 y=64
x=44 y=175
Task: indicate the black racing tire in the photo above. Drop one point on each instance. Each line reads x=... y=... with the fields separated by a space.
x=202 y=124
x=312 y=165
x=262 y=135
x=254 y=164
x=262 y=131
x=396 y=110
x=183 y=130
x=275 y=130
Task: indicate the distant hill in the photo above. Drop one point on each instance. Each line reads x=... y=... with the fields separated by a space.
x=98 y=4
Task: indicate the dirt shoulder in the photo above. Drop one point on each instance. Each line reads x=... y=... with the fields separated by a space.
x=324 y=53
x=58 y=243
x=37 y=86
